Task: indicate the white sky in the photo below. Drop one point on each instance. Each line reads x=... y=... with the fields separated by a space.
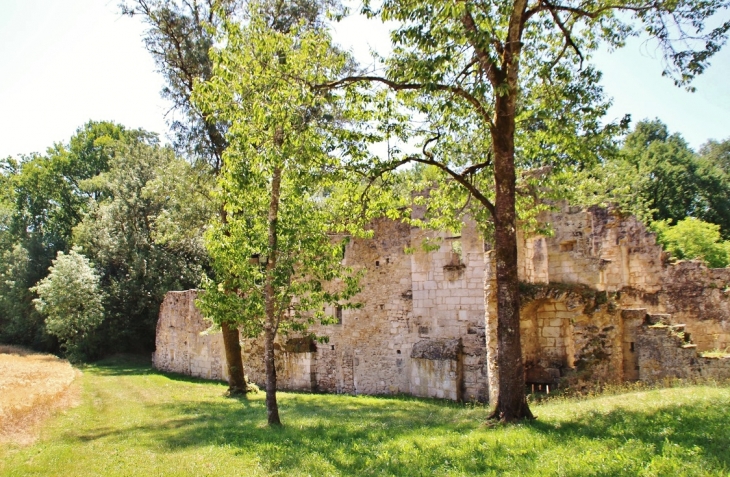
x=64 y=62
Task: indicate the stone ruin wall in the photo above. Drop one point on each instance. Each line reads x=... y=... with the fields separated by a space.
x=588 y=289
x=179 y=345
x=618 y=255
x=664 y=352
x=586 y=293
x=407 y=299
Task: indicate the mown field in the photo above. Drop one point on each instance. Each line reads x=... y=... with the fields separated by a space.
x=134 y=421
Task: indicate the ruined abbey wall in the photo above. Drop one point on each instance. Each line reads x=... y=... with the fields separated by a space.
x=427 y=326
x=182 y=346
x=425 y=297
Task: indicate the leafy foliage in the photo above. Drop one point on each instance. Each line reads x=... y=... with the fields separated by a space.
x=146 y=238
x=275 y=259
x=42 y=200
x=692 y=238
x=70 y=298
x=276 y=124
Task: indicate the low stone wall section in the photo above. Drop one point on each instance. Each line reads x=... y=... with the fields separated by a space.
x=664 y=353
x=180 y=342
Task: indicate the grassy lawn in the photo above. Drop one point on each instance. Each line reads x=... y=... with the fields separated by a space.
x=137 y=422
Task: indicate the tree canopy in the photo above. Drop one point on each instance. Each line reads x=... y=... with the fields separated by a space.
x=276 y=260
x=496 y=80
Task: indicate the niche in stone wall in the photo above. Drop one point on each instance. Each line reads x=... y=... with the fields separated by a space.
x=437 y=369
x=547 y=340
x=297 y=364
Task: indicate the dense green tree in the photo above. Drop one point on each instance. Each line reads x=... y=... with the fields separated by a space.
x=470 y=67
x=693 y=239
x=717 y=153
x=667 y=168
x=145 y=237
x=276 y=262
x=43 y=200
x=70 y=299
x=658 y=177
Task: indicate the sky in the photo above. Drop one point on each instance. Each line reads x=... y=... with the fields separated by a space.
x=64 y=62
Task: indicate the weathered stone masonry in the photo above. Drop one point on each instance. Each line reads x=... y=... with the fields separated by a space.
x=588 y=293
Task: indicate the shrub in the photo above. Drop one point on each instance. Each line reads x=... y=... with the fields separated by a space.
x=692 y=238
x=71 y=301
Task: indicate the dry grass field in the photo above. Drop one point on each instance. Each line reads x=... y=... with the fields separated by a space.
x=32 y=387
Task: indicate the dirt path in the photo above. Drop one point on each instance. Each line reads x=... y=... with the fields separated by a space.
x=32 y=387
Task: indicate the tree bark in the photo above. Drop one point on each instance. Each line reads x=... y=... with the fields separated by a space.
x=270 y=326
x=232 y=344
x=512 y=401
x=236 y=380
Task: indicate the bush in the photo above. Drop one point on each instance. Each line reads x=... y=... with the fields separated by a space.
x=694 y=239
x=71 y=301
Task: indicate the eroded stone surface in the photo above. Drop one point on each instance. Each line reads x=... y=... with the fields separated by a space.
x=586 y=291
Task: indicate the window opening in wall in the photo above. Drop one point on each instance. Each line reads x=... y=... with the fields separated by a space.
x=632 y=347
x=568 y=246
x=333 y=347
x=387 y=261
x=382 y=306
x=397 y=351
x=377 y=263
x=338 y=314
x=456 y=246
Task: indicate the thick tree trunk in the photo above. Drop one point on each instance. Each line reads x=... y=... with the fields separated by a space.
x=270 y=326
x=236 y=380
x=511 y=402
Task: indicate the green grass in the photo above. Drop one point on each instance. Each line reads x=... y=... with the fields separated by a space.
x=137 y=422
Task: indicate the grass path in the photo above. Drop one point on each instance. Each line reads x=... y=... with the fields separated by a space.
x=137 y=422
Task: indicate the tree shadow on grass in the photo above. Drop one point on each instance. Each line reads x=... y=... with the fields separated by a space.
x=138 y=365
x=346 y=439
x=695 y=431
x=410 y=436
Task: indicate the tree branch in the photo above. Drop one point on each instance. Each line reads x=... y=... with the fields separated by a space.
x=396 y=86
x=494 y=73
x=566 y=33
x=457 y=177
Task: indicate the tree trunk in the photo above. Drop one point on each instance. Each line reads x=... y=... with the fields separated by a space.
x=511 y=402
x=270 y=326
x=232 y=345
x=236 y=380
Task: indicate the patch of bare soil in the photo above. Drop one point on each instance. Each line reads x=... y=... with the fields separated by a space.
x=32 y=387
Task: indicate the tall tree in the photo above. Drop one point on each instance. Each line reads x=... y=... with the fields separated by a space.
x=179 y=37
x=470 y=66
x=276 y=262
